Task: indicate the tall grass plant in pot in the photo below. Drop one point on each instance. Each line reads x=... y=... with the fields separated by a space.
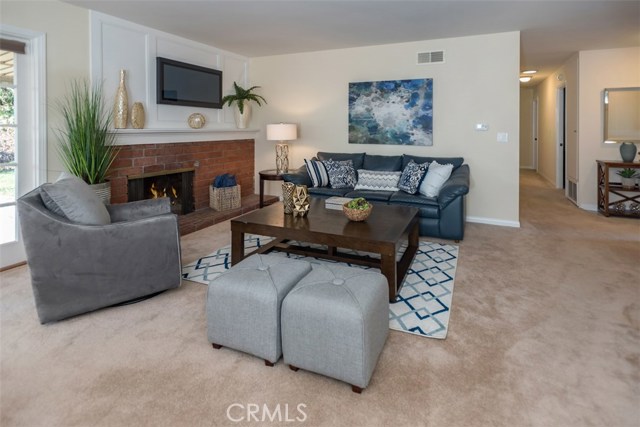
x=242 y=98
x=86 y=143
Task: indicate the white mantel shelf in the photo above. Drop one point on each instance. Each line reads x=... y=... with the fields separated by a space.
x=167 y=136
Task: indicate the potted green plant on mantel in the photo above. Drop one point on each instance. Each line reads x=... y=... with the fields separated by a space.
x=87 y=145
x=241 y=98
x=627 y=176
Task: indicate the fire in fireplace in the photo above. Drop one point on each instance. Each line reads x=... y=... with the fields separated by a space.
x=177 y=185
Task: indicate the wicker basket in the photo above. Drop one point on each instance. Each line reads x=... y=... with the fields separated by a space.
x=224 y=198
x=356 y=214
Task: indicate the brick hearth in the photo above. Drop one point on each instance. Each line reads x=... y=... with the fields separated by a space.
x=209 y=158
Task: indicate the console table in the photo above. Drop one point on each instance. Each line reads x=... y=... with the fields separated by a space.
x=606 y=188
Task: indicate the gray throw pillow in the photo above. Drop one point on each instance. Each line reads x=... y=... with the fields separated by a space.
x=73 y=199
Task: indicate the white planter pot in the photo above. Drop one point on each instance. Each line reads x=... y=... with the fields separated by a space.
x=242 y=120
x=103 y=190
x=628 y=183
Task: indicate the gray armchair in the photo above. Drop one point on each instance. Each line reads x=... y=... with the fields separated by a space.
x=77 y=268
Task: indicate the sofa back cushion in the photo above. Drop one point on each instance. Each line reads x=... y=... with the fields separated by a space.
x=356 y=158
x=455 y=161
x=382 y=163
x=73 y=199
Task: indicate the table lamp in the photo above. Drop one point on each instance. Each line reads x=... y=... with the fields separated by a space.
x=282 y=132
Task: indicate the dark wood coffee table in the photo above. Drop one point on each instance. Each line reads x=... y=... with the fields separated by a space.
x=382 y=233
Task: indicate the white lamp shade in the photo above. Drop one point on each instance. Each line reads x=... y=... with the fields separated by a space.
x=282 y=132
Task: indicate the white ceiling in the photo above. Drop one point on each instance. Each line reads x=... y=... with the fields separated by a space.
x=551 y=31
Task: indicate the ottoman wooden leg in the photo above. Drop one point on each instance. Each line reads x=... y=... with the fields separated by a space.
x=356 y=389
x=293 y=368
x=267 y=363
x=216 y=346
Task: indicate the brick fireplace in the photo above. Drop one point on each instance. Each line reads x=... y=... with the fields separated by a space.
x=207 y=159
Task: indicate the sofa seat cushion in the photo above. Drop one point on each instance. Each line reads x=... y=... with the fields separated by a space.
x=428 y=206
x=328 y=192
x=356 y=158
x=382 y=163
x=455 y=161
x=72 y=198
x=371 y=195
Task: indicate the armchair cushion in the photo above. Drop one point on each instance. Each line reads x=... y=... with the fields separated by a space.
x=139 y=209
x=73 y=199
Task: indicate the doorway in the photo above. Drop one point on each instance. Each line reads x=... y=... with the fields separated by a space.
x=22 y=131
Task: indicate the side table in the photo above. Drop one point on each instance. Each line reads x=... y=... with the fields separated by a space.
x=268 y=175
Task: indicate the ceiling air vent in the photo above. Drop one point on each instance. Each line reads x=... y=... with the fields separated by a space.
x=431 y=57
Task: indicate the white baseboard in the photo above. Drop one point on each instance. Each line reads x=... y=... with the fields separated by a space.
x=493 y=221
x=589 y=207
x=528 y=168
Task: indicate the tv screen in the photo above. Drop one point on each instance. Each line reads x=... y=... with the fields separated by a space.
x=179 y=83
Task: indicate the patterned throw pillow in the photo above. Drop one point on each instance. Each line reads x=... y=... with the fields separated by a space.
x=437 y=175
x=377 y=180
x=341 y=173
x=411 y=177
x=317 y=173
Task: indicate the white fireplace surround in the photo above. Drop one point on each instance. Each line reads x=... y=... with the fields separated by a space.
x=166 y=136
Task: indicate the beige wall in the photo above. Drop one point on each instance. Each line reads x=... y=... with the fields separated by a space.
x=311 y=89
x=67 y=34
x=526 y=128
x=600 y=69
x=572 y=80
x=547 y=93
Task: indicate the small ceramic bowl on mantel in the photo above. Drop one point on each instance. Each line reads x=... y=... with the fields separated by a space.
x=357 y=209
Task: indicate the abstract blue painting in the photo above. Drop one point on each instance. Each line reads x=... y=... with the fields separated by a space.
x=398 y=112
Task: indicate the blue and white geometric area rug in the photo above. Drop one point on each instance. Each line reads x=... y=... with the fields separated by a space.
x=422 y=307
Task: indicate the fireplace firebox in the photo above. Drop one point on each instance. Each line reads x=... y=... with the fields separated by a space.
x=175 y=184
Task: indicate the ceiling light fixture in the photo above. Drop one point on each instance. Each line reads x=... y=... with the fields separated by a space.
x=525 y=79
x=530 y=72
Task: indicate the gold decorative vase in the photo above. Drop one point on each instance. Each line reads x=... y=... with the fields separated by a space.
x=137 y=115
x=121 y=105
x=300 y=201
x=288 y=188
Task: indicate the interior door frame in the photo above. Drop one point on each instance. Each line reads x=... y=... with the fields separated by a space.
x=32 y=126
x=561 y=136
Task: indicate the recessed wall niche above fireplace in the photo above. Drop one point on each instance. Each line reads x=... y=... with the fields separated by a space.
x=175 y=184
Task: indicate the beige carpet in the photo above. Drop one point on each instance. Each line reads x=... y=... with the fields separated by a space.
x=545 y=331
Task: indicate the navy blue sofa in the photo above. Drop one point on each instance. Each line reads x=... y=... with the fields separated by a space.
x=442 y=216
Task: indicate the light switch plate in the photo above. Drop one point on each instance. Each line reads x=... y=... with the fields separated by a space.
x=482 y=127
x=503 y=137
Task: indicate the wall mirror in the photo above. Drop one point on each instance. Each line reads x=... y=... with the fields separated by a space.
x=622 y=114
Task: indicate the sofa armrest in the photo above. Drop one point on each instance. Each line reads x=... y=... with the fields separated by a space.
x=457 y=185
x=298 y=176
x=139 y=209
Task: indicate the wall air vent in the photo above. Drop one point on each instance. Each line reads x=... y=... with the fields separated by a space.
x=431 y=57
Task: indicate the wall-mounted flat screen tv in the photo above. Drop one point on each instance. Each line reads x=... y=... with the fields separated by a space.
x=179 y=83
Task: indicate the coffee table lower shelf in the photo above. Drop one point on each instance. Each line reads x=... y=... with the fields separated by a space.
x=394 y=271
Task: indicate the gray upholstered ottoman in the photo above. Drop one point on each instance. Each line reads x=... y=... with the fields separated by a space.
x=335 y=323
x=243 y=304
